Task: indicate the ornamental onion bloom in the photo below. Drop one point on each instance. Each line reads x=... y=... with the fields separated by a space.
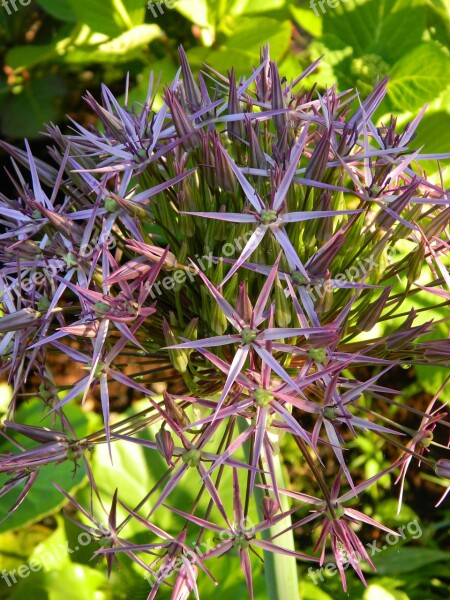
x=245 y=244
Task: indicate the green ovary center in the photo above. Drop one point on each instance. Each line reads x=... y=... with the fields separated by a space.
x=298 y=278
x=427 y=439
x=330 y=412
x=268 y=216
x=248 y=335
x=192 y=457
x=262 y=397
x=241 y=542
x=319 y=355
x=339 y=511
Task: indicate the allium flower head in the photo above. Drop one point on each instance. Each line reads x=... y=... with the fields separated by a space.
x=270 y=253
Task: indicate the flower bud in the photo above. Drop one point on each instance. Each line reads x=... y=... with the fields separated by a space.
x=175 y=412
x=257 y=160
x=18 y=320
x=223 y=174
x=415 y=263
x=165 y=444
x=370 y=317
x=269 y=508
x=280 y=120
x=437 y=225
x=235 y=129
x=442 y=468
x=178 y=357
x=283 y=315
x=191 y=89
x=181 y=121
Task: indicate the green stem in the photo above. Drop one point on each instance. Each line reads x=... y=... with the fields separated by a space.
x=280 y=570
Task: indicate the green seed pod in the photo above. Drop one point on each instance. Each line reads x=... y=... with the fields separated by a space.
x=178 y=357
x=191 y=333
x=218 y=320
x=415 y=263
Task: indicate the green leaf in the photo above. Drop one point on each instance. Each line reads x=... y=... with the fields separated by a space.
x=307 y=20
x=164 y=67
x=25 y=57
x=122 y=48
x=419 y=76
x=438 y=20
x=130 y=473
x=407 y=560
x=248 y=7
x=242 y=49
x=55 y=572
x=381 y=27
x=38 y=103
x=195 y=11
x=110 y=17
x=61 y=10
x=377 y=591
x=432 y=134
x=309 y=591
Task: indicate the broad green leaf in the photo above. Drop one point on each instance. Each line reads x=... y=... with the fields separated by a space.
x=380 y=27
x=122 y=48
x=61 y=10
x=111 y=17
x=43 y=499
x=5 y=397
x=432 y=134
x=247 y=7
x=195 y=11
x=386 y=513
x=406 y=560
x=379 y=592
x=438 y=19
x=136 y=9
x=242 y=49
x=309 y=591
x=418 y=76
x=166 y=69
x=55 y=572
x=307 y=20
x=38 y=103
x=253 y=33
x=26 y=57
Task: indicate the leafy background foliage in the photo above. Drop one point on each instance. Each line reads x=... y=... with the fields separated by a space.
x=52 y=52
